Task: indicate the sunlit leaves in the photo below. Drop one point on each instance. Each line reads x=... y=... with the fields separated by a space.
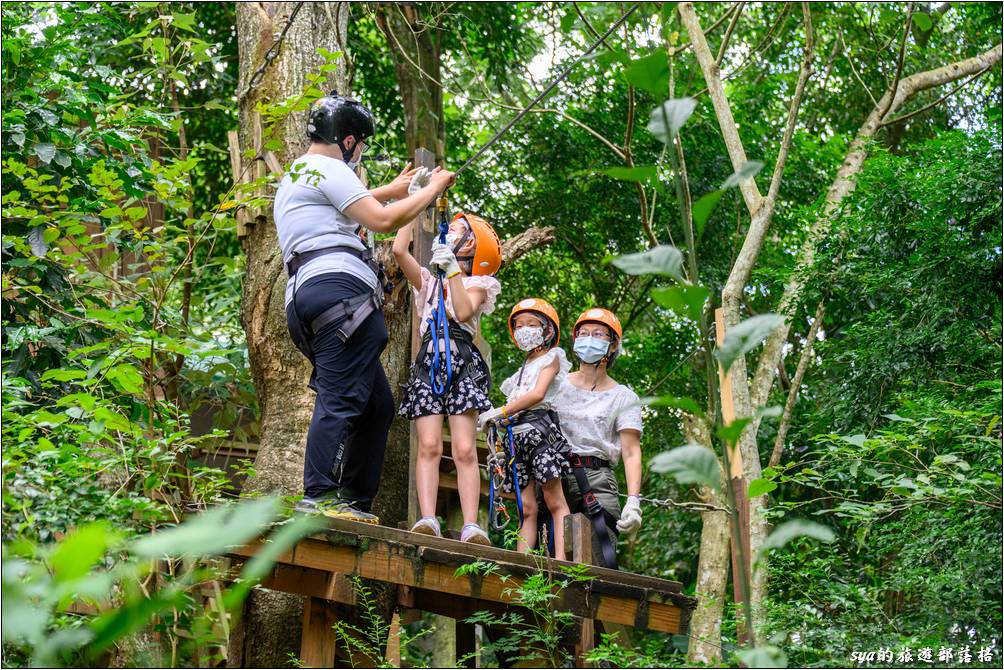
x=667 y=119
x=664 y=260
x=689 y=464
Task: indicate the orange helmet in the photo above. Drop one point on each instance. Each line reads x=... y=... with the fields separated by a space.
x=608 y=319
x=487 y=249
x=540 y=308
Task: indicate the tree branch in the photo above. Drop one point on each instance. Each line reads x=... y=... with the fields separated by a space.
x=899 y=62
x=525 y=242
x=728 y=33
x=842 y=185
x=796 y=385
x=712 y=75
x=937 y=102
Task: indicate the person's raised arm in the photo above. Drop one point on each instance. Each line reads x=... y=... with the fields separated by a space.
x=396 y=189
x=409 y=266
x=370 y=214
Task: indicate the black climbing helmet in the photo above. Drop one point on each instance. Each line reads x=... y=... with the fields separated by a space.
x=334 y=117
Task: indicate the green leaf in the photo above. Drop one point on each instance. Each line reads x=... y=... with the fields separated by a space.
x=745 y=336
x=135 y=213
x=857 y=440
x=184 y=21
x=747 y=170
x=689 y=464
x=686 y=404
x=646 y=174
x=730 y=433
x=765 y=656
x=702 y=210
x=80 y=551
x=650 y=73
x=45 y=151
x=758 y=487
x=923 y=21
x=685 y=300
x=669 y=117
x=664 y=260
x=789 y=530
x=61 y=375
x=212 y=532
x=261 y=563
x=897 y=417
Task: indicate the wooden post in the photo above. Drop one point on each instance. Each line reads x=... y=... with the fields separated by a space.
x=421 y=249
x=580 y=528
x=236 y=167
x=465 y=645
x=740 y=554
x=317 y=642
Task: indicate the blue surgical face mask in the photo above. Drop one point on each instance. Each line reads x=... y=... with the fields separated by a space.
x=590 y=349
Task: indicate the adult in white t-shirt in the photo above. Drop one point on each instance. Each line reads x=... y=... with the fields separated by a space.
x=602 y=422
x=333 y=298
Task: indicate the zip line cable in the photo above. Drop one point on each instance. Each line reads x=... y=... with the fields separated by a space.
x=543 y=94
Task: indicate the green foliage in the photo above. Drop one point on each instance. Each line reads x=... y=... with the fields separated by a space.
x=97 y=566
x=533 y=633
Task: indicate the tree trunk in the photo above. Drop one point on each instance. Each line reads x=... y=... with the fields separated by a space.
x=415 y=47
x=712 y=566
x=279 y=370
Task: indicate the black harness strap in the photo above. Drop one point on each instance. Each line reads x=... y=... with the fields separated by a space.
x=356 y=308
x=462 y=343
x=594 y=510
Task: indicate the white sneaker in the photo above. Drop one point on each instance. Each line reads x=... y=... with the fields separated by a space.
x=427 y=525
x=474 y=534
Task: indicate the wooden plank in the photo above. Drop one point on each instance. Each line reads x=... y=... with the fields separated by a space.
x=236 y=166
x=310 y=582
x=317 y=642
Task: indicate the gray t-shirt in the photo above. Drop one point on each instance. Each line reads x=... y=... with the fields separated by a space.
x=310 y=214
x=590 y=419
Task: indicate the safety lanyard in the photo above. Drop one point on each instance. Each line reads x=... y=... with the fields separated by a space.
x=439 y=322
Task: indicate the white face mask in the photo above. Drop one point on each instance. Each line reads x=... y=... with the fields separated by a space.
x=528 y=339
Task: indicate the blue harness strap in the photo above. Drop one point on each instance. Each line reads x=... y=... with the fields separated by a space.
x=439 y=329
x=515 y=474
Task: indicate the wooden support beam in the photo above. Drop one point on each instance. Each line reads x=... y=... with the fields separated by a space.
x=737 y=481
x=466 y=647
x=317 y=642
x=421 y=249
x=409 y=559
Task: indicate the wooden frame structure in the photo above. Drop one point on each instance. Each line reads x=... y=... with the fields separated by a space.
x=424 y=570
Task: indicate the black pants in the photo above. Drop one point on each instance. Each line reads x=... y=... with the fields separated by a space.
x=354 y=405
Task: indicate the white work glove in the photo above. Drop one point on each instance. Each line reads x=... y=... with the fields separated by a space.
x=485 y=417
x=419 y=181
x=630 y=520
x=444 y=259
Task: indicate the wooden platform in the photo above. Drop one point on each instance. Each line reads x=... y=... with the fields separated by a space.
x=424 y=569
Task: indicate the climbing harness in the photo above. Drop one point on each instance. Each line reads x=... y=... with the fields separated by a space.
x=353 y=310
x=439 y=321
x=502 y=464
x=601 y=519
x=543 y=94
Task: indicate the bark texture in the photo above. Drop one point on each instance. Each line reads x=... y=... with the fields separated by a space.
x=279 y=370
x=712 y=565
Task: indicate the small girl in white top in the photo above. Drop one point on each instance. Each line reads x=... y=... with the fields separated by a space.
x=469 y=260
x=541 y=449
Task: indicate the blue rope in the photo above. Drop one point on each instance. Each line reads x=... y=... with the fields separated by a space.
x=515 y=473
x=439 y=329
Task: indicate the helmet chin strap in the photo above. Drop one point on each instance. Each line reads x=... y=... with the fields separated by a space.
x=346 y=153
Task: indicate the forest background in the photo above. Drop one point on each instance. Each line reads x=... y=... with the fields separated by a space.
x=128 y=361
